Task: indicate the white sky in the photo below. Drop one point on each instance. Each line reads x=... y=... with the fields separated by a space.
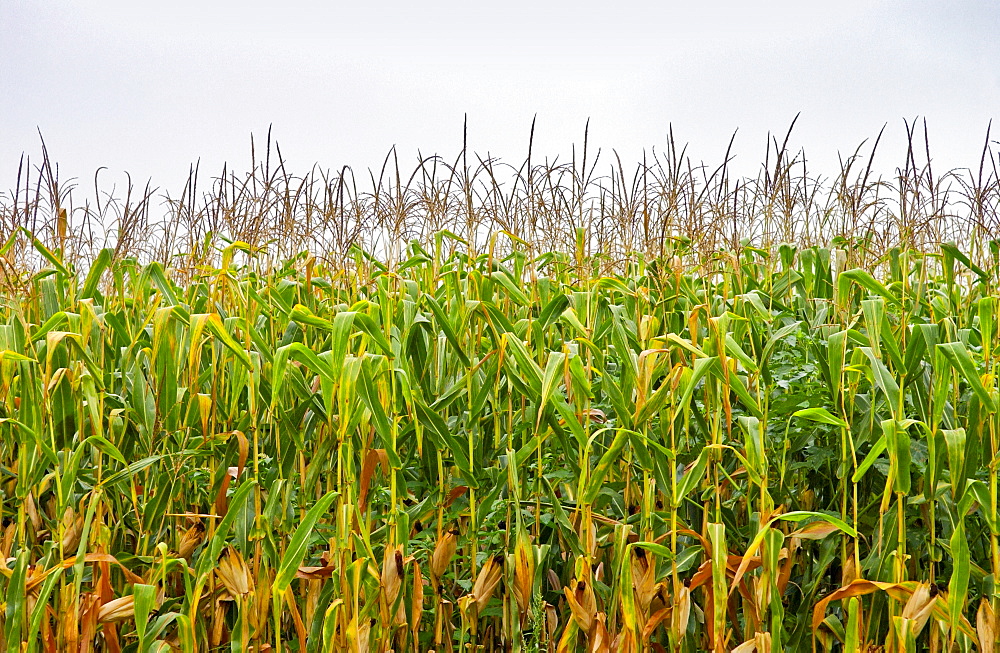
x=150 y=87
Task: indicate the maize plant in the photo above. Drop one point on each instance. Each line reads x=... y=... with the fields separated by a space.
x=771 y=450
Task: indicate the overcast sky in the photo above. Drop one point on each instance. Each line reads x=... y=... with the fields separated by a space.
x=150 y=87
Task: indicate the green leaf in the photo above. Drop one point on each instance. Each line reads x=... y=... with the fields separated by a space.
x=821 y=415
x=958 y=585
x=883 y=379
x=958 y=356
x=213 y=323
x=554 y=369
x=596 y=481
x=694 y=476
x=297 y=548
x=446 y=327
x=16 y=614
x=866 y=281
x=720 y=559
x=97 y=268
x=897 y=443
x=516 y=293
x=955 y=442
x=799 y=515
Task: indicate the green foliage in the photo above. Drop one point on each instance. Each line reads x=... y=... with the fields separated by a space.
x=503 y=452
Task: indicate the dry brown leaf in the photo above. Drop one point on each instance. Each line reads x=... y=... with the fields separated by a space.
x=118 y=609
x=817 y=530
x=443 y=553
x=232 y=570
x=986 y=626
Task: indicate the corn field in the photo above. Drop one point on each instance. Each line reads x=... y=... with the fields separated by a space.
x=458 y=439
x=773 y=452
